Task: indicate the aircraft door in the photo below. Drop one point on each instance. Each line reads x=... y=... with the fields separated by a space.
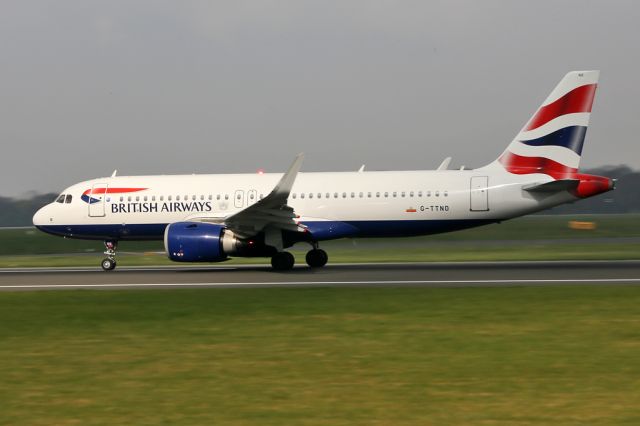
x=479 y=194
x=97 y=199
x=238 y=199
x=252 y=197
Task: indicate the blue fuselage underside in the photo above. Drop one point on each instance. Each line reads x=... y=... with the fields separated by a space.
x=364 y=229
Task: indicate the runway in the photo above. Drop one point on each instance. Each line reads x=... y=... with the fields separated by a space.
x=362 y=275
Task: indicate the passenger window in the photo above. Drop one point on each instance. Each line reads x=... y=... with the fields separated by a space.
x=402 y=194
x=129 y=198
x=386 y=194
x=411 y=194
x=377 y=195
x=437 y=193
x=302 y=195
x=319 y=195
x=202 y=198
x=226 y=196
x=145 y=198
x=344 y=195
x=353 y=194
x=327 y=195
x=138 y=198
x=121 y=199
x=169 y=198
x=239 y=196
x=335 y=195
x=218 y=197
x=419 y=193
x=310 y=195
x=153 y=198
x=361 y=195
x=177 y=198
x=445 y=193
x=368 y=195
x=162 y=198
x=210 y=197
x=294 y=195
x=186 y=197
x=428 y=193
x=67 y=200
x=395 y=194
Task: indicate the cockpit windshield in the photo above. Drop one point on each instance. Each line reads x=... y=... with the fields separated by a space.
x=64 y=198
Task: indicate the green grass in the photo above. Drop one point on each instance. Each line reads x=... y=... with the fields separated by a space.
x=324 y=356
x=528 y=238
x=470 y=252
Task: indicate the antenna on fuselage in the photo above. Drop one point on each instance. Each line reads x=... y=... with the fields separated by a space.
x=115 y=172
x=361 y=169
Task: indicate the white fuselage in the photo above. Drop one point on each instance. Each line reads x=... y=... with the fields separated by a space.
x=390 y=203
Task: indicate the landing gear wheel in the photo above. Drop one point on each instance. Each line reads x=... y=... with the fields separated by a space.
x=316 y=258
x=282 y=261
x=108 y=264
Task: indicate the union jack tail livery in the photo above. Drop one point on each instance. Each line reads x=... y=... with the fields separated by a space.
x=551 y=141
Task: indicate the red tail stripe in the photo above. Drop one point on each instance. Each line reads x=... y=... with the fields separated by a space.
x=579 y=99
x=520 y=165
x=111 y=190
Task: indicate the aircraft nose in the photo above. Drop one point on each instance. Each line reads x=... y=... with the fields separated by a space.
x=40 y=218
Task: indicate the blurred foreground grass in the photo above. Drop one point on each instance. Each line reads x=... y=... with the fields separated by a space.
x=528 y=238
x=322 y=356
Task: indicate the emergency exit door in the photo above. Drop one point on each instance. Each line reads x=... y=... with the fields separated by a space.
x=97 y=199
x=479 y=193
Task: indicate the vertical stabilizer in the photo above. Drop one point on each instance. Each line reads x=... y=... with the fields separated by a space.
x=551 y=142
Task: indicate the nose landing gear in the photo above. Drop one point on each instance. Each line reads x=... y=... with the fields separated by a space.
x=109 y=263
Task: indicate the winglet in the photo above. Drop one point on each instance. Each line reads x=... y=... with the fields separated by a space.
x=445 y=164
x=286 y=182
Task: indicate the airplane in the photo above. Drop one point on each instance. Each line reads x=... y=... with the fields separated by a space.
x=213 y=217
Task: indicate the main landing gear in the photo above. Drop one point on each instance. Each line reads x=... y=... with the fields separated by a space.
x=284 y=261
x=316 y=258
x=109 y=262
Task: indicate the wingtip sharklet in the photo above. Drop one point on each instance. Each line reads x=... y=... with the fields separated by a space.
x=287 y=180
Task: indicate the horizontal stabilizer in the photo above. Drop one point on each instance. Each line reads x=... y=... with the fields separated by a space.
x=553 y=186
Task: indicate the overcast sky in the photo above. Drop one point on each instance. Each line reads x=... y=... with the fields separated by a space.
x=159 y=87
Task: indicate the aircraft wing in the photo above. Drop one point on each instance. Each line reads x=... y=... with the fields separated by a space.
x=270 y=212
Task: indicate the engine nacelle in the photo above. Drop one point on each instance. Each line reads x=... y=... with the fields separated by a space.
x=194 y=242
x=208 y=242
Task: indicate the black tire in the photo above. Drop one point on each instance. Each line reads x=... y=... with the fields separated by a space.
x=282 y=261
x=108 y=264
x=316 y=258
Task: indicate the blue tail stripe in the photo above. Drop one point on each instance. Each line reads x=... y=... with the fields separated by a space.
x=569 y=137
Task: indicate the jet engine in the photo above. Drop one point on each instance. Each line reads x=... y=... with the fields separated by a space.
x=207 y=242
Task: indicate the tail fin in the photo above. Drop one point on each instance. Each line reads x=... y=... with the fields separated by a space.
x=551 y=141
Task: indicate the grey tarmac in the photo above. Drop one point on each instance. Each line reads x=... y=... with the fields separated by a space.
x=454 y=274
